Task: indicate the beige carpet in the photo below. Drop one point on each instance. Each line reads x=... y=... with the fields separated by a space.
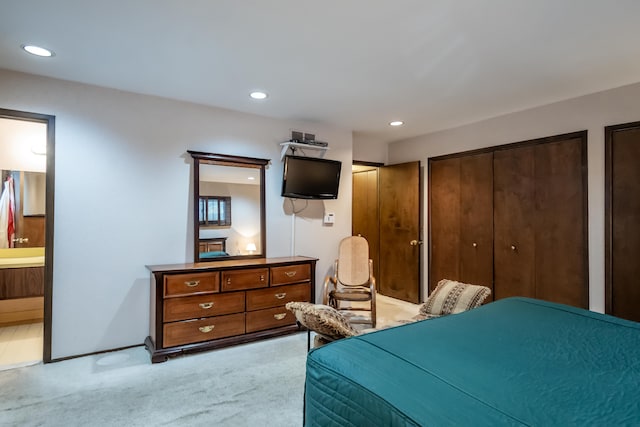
x=257 y=384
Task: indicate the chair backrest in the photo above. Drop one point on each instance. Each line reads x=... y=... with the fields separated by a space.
x=353 y=261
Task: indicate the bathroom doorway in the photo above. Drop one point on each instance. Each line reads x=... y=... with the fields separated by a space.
x=26 y=237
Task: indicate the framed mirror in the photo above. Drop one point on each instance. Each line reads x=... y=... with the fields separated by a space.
x=228 y=207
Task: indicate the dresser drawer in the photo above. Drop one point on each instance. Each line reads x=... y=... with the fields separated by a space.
x=290 y=274
x=237 y=280
x=269 y=318
x=280 y=295
x=189 y=284
x=210 y=328
x=203 y=306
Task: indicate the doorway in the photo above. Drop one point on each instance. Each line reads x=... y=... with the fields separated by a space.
x=387 y=211
x=26 y=237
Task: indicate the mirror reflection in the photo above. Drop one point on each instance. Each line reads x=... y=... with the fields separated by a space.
x=22 y=188
x=22 y=209
x=229 y=211
x=228 y=206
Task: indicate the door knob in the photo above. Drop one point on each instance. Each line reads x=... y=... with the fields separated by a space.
x=415 y=242
x=513 y=248
x=475 y=245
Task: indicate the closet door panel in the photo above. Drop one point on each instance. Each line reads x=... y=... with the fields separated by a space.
x=444 y=199
x=514 y=222
x=365 y=214
x=624 y=287
x=559 y=223
x=476 y=219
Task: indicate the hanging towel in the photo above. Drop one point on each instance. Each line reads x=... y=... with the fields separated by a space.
x=7 y=214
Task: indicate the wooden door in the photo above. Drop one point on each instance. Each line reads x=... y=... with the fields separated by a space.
x=365 y=219
x=560 y=223
x=514 y=222
x=400 y=231
x=461 y=219
x=476 y=219
x=540 y=242
x=622 y=157
x=444 y=220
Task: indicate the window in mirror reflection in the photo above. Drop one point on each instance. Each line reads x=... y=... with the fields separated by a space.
x=215 y=210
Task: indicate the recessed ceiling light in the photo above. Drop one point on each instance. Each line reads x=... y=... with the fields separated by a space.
x=37 y=50
x=396 y=123
x=258 y=95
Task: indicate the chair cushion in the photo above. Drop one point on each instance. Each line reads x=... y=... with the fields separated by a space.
x=451 y=297
x=322 y=319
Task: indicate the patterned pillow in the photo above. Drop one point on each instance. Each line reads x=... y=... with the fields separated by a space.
x=322 y=319
x=451 y=297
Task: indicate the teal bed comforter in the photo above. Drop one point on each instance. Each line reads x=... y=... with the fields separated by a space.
x=517 y=361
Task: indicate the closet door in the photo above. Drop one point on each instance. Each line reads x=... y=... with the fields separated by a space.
x=540 y=204
x=444 y=222
x=623 y=221
x=365 y=218
x=461 y=223
x=514 y=222
x=476 y=219
x=560 y=223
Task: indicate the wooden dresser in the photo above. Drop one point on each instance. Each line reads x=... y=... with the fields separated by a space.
x=207 y=305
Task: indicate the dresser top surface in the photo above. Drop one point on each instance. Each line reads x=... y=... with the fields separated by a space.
x=231 y=263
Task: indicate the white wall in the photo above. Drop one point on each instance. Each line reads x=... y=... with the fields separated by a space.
x=367 y=148
x=591 y=112
x=18 y=139
x=122 y=198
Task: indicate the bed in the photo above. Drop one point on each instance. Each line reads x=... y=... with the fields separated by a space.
x=214 y=247
x=516 y=361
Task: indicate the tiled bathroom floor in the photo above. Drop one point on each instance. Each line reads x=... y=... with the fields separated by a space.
x=20 y=345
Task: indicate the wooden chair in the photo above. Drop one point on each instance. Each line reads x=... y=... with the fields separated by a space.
x=352 y=288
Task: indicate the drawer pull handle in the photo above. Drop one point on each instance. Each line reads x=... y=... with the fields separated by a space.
x=290 y=273
x=280 y=316
x=281 y=296
x=206 y=329
x=206 y=305
x=262 y=277
x=228 y=280
x=192 y=283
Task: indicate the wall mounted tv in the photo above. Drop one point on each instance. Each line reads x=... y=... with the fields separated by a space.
x=310 y=178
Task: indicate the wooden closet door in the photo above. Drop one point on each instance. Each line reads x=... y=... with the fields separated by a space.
x=461 y=209
x=623 y=220
x=514 y=222
x=560 y=240
x=365 y=214
x=476 y=219
x=444 y=210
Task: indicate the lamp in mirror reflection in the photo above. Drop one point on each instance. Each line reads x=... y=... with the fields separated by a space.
x=251 y=248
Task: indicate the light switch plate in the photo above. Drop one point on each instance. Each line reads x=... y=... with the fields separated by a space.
x=329 y=218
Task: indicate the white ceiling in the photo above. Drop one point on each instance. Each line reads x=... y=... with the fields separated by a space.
x=356 y=64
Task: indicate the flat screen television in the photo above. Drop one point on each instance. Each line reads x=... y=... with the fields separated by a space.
x=310 y=178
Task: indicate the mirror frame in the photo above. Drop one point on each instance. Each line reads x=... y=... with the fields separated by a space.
x=199 y=158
